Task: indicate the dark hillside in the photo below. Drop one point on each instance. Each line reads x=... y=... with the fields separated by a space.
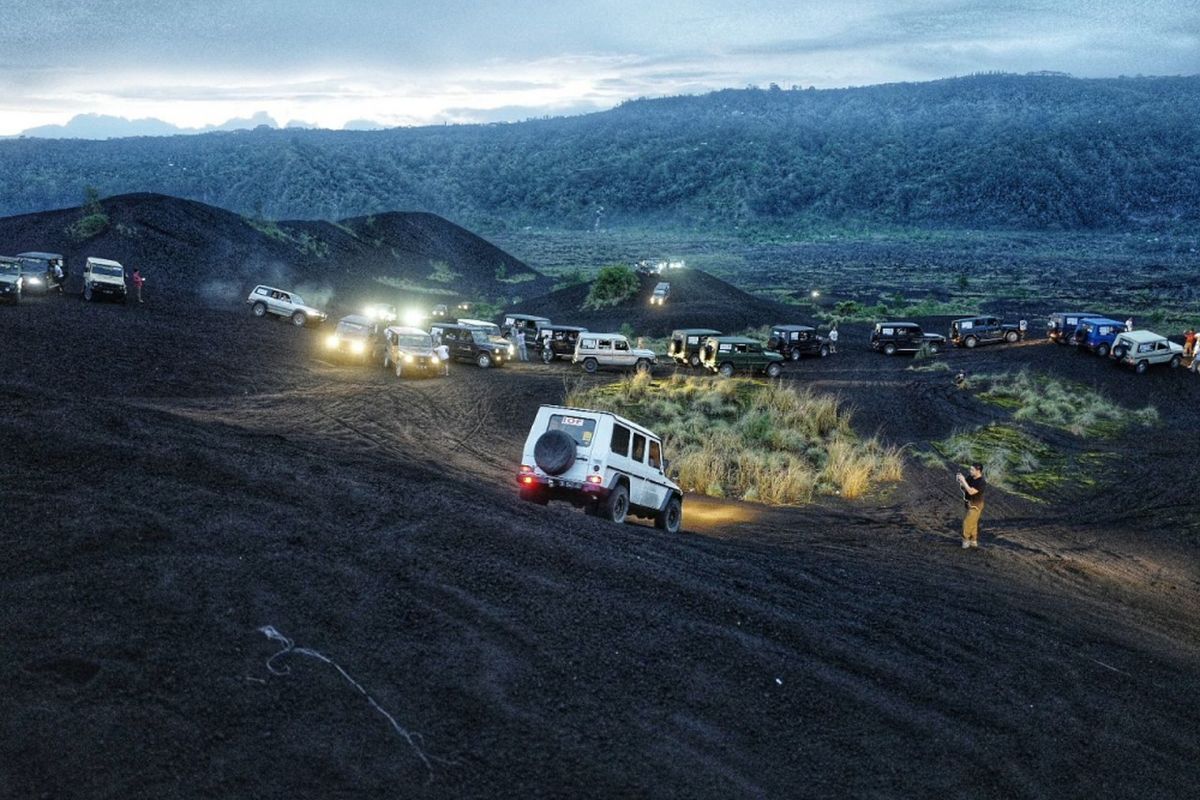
x=1015 y=151
x=193 y=246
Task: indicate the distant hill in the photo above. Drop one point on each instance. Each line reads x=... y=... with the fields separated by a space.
x=1035 y=152
x=193 y=247
x=697 y=300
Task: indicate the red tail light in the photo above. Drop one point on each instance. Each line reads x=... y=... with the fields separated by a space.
x=528 y=479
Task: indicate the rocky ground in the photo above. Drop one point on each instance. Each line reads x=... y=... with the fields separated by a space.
x=177 y=483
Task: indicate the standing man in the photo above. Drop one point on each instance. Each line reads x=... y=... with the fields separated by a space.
x=59 y=276
x=833 y=337
x=138 y=280
x=972 y=486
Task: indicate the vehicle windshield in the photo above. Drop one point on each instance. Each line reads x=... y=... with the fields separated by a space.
x=346 y=328
x=578 y=428
x=103 y=269
x=9 y=269
x=415 y=342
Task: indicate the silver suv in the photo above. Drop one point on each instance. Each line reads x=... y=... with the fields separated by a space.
x=265 y=300
x=596 y=350
x=609 y=466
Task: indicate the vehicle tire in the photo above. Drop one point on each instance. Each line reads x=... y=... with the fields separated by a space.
x=616 y=507
x=642 y=366
x=1011 y=337
x=934 y=347
x=970 y=342
x=795 y=355
x=484 y=361
x=824 y=351
x=299 y=319
x=554 y=452
x=590 y=365
x=1175 y=362
x=670 y=519
x=889 y=349
x=726 y=370
x=1141 y=367
x=1102 y=350
x=259 y=309
x=87 y=293
x=533 y=496
x=1118 y=352
x=547 y=355
x=694 y=360
x=774 y=370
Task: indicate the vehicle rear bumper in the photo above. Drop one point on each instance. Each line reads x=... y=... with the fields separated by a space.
x=575 y=492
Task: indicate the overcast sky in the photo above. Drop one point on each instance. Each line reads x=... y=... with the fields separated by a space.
x=423 y=61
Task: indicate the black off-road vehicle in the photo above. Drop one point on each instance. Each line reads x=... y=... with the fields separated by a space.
x=974 y=331
x=890 y=338
x=473 y=345
x=686 y=343
x=527 y=324
x=558 y=341
x=796 y=341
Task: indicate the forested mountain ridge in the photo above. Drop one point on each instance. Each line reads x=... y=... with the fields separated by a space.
x=1032 y=151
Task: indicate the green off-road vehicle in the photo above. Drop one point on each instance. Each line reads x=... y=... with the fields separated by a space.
x=727 y=355
x=686 y=344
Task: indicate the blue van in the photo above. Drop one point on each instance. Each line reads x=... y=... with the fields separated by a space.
x=1061 y=327
x=1097 y=334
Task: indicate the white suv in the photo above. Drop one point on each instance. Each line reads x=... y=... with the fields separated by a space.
x=595 y=459
x=595 y=350
x=268 y=300
x=103 y=278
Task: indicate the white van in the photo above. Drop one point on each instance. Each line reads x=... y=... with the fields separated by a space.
x=604 y=463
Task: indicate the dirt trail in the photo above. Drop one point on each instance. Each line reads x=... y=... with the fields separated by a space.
x=210 y=476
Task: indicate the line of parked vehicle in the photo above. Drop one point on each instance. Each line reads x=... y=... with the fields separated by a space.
x=1096 y=333
x=41 y=273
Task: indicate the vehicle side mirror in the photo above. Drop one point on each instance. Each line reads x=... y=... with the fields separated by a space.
x=666 y=465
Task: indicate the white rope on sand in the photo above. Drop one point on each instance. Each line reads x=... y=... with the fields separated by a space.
x=415 y=740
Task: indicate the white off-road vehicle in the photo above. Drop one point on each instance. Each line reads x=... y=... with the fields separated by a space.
x=265 y=300
x=103 y=278
x=596 y=350
x=1143 y=349
x=609 y=466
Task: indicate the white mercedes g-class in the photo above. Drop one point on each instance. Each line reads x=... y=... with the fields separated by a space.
x=596 y=350
x=604 y=463
x=103 y=278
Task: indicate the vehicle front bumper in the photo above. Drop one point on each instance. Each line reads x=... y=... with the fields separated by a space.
x=111 y=289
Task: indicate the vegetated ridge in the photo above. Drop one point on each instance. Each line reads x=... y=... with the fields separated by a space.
x=1042 y=151
x=198 y=247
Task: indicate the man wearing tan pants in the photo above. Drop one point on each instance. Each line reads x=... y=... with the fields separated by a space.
x=972 y=488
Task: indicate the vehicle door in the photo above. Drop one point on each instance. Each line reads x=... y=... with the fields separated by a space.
x=622 y=354
x=636 y=468
x=1162 y=352
x=911 y=338
x=992 y=330
x=654 y=490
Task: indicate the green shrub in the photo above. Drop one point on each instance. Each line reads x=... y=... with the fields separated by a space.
x=89 y=226
x=614 y=285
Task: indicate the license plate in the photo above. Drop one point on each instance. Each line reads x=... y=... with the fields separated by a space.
x=565 y=484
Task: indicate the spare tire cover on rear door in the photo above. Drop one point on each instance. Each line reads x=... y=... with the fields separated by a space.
x=554 y=452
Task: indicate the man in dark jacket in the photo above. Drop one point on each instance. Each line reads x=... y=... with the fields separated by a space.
x=973 y=486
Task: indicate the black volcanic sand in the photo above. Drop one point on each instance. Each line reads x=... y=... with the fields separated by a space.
x=695 y=295
x=177 y=482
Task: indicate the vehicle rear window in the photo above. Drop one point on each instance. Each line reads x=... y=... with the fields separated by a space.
x=620 y=440
x=580 y=429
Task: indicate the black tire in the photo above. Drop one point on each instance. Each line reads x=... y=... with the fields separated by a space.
x=1176 y=361
x=889 y=349
x=670 y=519
x=1118 y=352
x=484 y=360
x=259 y=309
x=642 y=365
x=616 y=507
x=795 y=355
x=824 y=351
x=87 y=293
x=934 y=347
x=299 y=319
x=774 y=370
x=1011 y=337
x=590 y=365
x=1141 y=367
x=533 y=496
x=694 y=360
x=1102 y=350
x=726 y=370
x=554 y=452
x=970 y=342
x=547 y=355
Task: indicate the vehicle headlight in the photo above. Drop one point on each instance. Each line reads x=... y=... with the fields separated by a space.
x=34 y=280
x=408 y=359
x=435 y=359
x=356 y=347
x=332 y=341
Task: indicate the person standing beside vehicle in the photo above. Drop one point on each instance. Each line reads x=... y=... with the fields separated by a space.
x=973 y=486
x=833 y=338
x=138 y=280
x=59 y=277
x=1189 y=343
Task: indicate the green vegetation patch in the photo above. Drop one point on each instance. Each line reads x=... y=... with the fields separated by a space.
x=1060 y=404
x=1012 y=459
x=614 y=285
x=750 y=440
